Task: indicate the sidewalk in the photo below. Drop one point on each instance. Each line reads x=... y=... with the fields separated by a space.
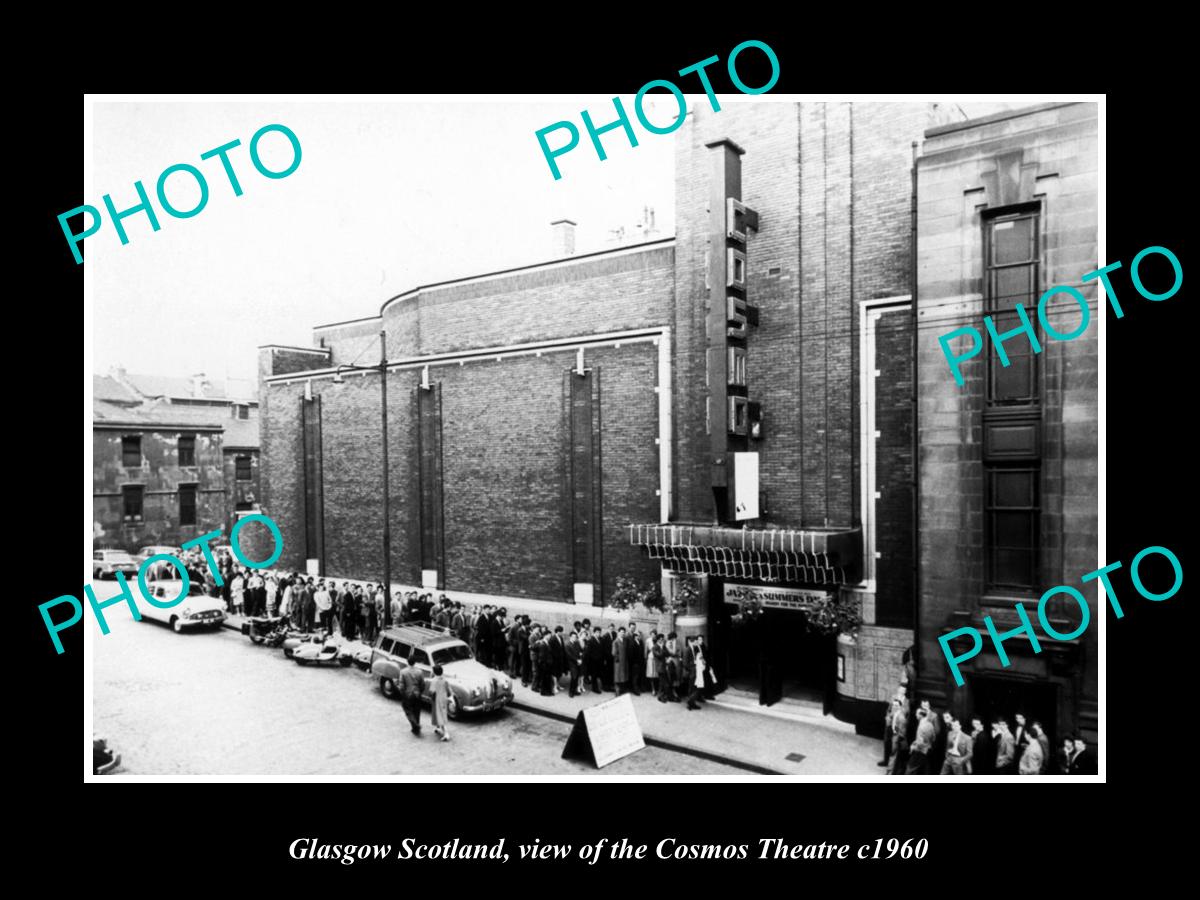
x=756 y=741
x=759 y=743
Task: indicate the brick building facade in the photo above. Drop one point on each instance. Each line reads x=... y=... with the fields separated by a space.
x=734 y=406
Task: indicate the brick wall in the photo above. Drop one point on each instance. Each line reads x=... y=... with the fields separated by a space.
x=832 y=186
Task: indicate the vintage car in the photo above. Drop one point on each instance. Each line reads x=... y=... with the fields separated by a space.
x=157 y=550
x=197 y=610
x=107 y=563
x=104 y=758
x=326 y=652
x=473 y=686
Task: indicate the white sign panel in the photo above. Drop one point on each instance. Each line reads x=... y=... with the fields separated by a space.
x=613 y=730
x=780 y=598
x=313 y=567
x=745 y=485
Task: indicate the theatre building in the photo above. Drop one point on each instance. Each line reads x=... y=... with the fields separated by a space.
x=1008 y=461
x=731 y=408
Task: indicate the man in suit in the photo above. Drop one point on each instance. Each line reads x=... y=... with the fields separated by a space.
x=1064 y=756
x=1083 y=761
x=673 y=667
x=574 y=654
x=606 y=641
x=1020 y=733
x=693 y=676
x=525 y=651
x=1039 y=734
x=982 y=754
x=1006 y=760
x=558 y=657
x=1031 y=759
x=594 y=660
x=545 y=650
x=900 y=742
x=483 y=636
x=513 y=660
x=412 y=686
x=918 y=754
x=458 y=622
x=958 y=749
x=620 y=655
x=637 y=660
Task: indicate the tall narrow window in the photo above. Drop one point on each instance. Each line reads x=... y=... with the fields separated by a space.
x=1012 y=278
x=243 y=468
x=187 y=504
x=131 y=451
x=131 y=496
x=1012 y=414
x=187 y=449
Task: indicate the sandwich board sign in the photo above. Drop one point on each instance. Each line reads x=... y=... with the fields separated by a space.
x=605 y=733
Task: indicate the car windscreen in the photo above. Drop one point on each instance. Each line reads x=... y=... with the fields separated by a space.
x=450 y=654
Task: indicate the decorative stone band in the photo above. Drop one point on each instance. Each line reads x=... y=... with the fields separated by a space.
x=767 y=555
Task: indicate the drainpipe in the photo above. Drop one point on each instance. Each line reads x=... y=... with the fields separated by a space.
x=916 y=441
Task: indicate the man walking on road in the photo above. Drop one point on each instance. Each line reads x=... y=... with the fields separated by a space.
x=412 y=686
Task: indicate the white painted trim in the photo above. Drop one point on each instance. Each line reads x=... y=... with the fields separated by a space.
x=325 y=351
x=666 y=500
x=571 y=344
x=867 y=317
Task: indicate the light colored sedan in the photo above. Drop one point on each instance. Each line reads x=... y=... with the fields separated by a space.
x=197 y=610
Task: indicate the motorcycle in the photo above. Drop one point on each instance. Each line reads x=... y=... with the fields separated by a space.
x=260 y=628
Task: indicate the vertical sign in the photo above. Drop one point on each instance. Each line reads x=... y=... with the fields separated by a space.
x=731 y=415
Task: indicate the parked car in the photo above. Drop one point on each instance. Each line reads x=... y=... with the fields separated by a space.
x=197 y=610
x=155 y=549
x=104 y=759
x=473 y=686
x=107 y=563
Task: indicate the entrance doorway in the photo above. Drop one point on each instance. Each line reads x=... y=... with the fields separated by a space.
x=777 y=655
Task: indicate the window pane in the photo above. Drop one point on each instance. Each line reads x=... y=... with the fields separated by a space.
x=1012 y=530
x=1010 y=287
x=1012 y=568
x=1013 y=241
x=1012 y=489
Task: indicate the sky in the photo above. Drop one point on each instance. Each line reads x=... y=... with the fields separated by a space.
x=390 y=194
x=387 y=196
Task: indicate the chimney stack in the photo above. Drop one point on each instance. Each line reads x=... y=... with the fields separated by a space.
x=564 y=237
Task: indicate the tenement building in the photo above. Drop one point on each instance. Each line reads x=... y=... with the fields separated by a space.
x=172 y=458
x=732 y=409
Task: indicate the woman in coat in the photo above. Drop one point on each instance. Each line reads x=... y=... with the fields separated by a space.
x=655 y=664
x=439 y=692
x=620 y=652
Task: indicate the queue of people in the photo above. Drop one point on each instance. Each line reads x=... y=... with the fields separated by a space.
x=925 y=742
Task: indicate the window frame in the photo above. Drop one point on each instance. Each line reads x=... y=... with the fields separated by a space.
x=125 y=452
x=997 y=306
x=194 y=490
x=190 y=441
x=238 y=460
x=128 y=491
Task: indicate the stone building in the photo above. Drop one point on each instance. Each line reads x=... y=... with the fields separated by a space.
x=173 y=458
x=1008 y=461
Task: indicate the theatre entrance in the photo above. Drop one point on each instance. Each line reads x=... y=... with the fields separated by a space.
x=993 y=696
x=777 y=656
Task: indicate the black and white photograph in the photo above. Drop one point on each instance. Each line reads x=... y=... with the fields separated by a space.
x=687 y=435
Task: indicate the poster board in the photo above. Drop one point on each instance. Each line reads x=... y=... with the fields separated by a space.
x=604 y=733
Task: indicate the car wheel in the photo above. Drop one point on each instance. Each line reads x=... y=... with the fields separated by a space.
x=388 y=687
x=256 y=638
x=452 y=706
x=345 y=661
x=177 y=624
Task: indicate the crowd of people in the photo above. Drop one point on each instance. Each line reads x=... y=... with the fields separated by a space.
x=588 y=658
x=925 y=742
x=591 y=659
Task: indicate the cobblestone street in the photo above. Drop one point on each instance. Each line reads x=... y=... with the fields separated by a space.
x=214 y=704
